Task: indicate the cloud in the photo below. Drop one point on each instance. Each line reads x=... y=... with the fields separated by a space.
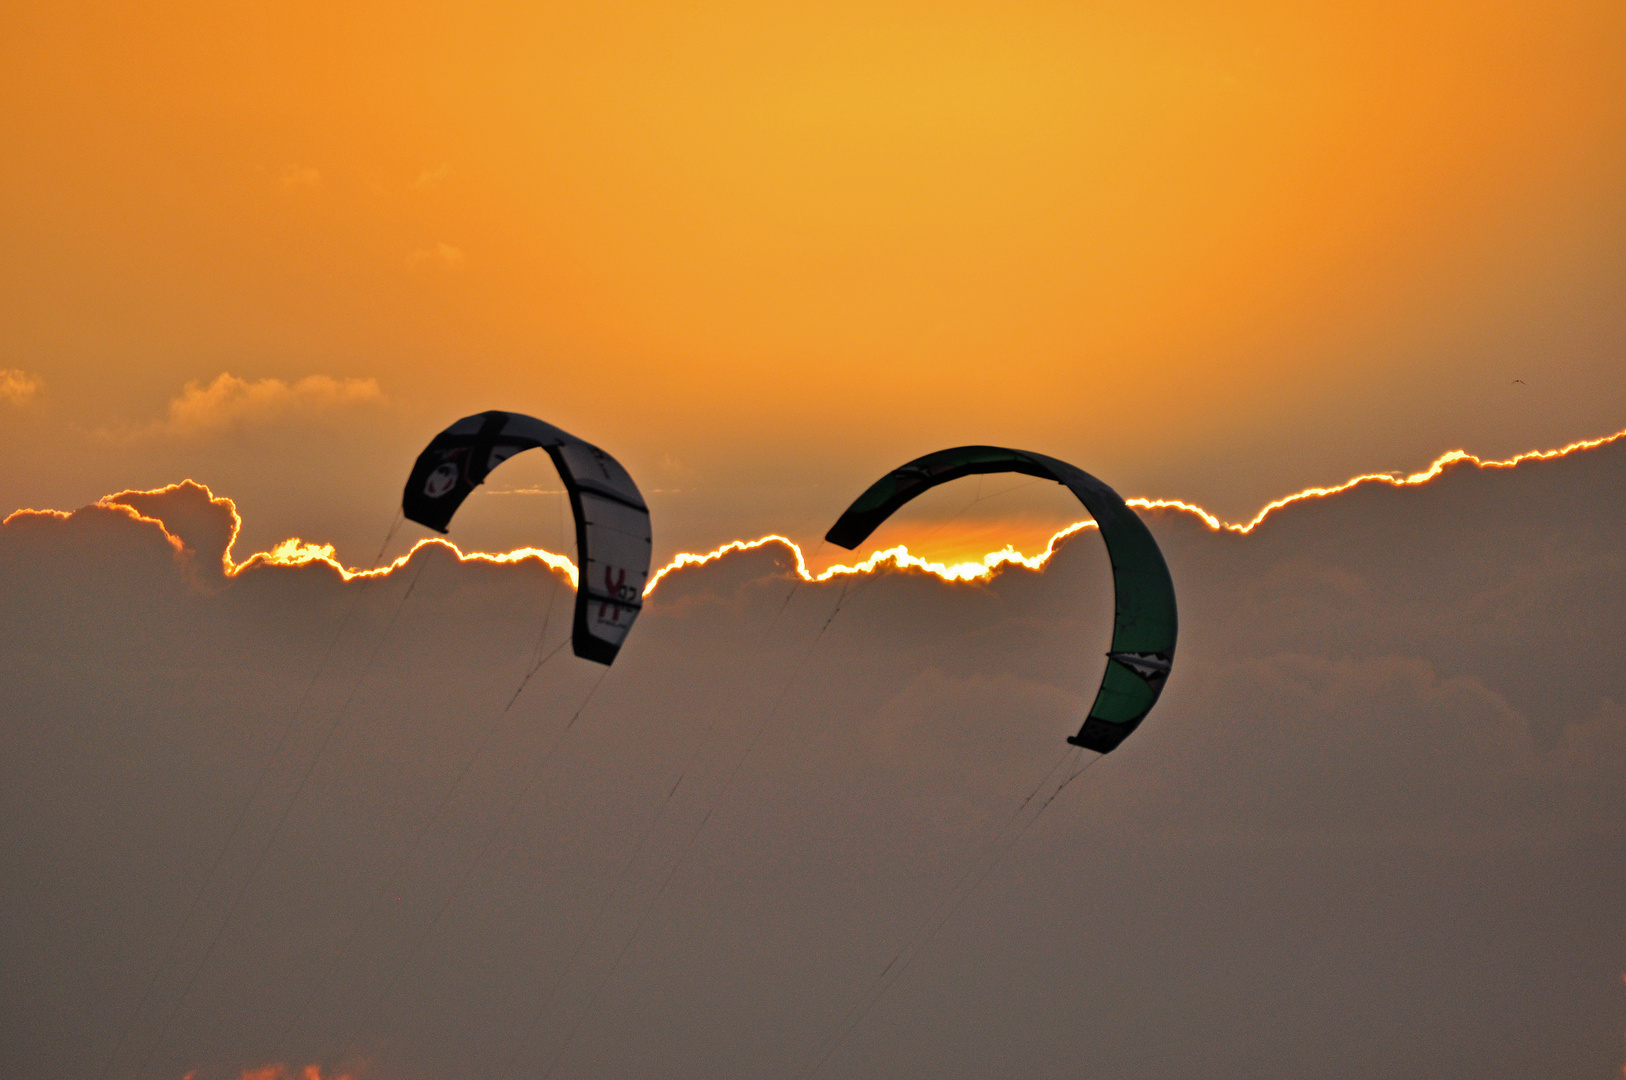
x=18 y=387
x=442 y=255
x=1379 y=808
x=229 y=401
x=201 y=527
x=1378 y=751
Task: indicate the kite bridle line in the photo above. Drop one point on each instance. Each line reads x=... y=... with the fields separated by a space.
x=643 y=840
x=904 y=959
x=847 y=1021
x=248 y=804
x=485 y=848
x=428 y=826
x=541 y=637
x=287 y=809
x=541 y=661
x=727 y=787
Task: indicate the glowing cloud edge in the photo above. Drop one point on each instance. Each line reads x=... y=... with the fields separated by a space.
x=297 y=552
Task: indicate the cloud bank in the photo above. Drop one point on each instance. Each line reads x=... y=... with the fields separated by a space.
x=256 y=812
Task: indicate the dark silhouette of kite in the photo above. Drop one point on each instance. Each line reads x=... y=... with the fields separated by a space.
x=1145 y=624
x=612 y=522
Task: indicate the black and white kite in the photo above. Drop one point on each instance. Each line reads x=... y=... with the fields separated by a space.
x=612 y=521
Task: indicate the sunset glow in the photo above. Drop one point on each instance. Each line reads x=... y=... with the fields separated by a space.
x=336 y=779
x=283 y=1072
x=297 y=552
x=691 y=235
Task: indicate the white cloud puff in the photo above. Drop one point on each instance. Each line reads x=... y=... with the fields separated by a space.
x=229 y=401
x=18 y=387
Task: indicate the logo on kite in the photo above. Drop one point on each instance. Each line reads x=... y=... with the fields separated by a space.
x=1149 y=666
x=441 y=480
x=617 y=587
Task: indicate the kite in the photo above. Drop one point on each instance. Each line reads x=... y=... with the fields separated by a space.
x=612 y=521
x=1145 y=624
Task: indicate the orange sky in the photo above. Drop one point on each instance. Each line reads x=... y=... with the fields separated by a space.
x=764 y=252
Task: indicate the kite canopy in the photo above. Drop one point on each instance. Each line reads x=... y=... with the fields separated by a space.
x=612 y=522
x=1145 y=626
